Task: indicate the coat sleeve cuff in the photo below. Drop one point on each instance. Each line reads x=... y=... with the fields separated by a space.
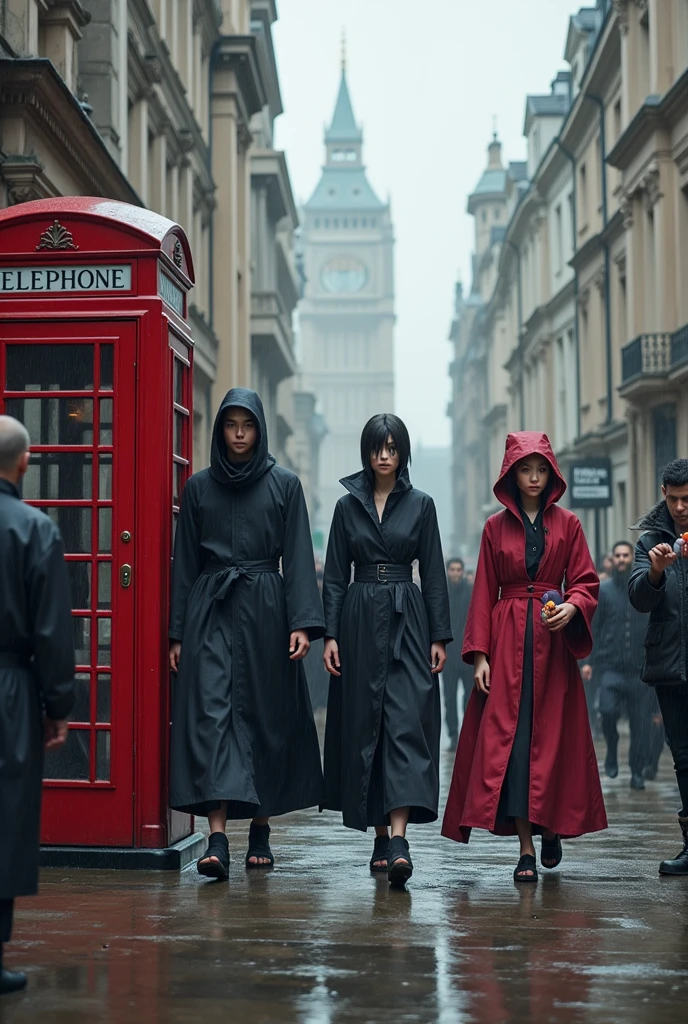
x=59 y=708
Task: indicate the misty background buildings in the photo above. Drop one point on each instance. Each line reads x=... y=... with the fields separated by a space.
x=572 y=317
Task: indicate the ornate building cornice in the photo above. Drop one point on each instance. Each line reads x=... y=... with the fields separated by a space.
x=621 y=11
x=652 y=192
x=32 y=90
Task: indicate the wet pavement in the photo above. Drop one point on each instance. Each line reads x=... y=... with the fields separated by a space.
x=319 y=941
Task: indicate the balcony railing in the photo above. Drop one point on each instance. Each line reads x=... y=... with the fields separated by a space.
x=648 y=355
x=679 y=345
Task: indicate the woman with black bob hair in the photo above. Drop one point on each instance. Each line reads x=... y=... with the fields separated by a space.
x=385 y=646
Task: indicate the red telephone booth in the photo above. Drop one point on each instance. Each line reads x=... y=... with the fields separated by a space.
x=95 y=360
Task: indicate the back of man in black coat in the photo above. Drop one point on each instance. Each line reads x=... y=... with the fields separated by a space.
x=617 y=660
x=36 y=674
x=455 y=669
x=659 y=585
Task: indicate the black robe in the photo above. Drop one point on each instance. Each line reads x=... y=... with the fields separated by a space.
x=36 y=675
x=242 y=723
x=383 y=715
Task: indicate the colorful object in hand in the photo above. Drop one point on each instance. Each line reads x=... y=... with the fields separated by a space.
x=550 y=600
x=679 y=542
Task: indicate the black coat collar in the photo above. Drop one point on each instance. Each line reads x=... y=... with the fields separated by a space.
x=658 y=520
x=7 y=487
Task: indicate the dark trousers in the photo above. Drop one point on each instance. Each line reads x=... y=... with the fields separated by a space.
x=450 y=686
x=673 y=703
x=6 y=910
x=619 y=692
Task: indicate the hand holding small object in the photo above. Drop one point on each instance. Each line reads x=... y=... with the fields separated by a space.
x=681 y=546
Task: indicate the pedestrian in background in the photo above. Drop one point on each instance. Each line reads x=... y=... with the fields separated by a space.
x=455 y=669
x=385 y=646
x=243 y=742
x=616 y=663
x=659 y=585
x=36 y=675
x=526 y=763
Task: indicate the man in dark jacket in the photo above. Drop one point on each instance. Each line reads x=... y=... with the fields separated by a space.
x=617 y=661
x=454 y=668
x=36 y=674
x=659 y=585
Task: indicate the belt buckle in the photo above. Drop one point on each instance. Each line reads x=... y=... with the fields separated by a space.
x=381 y=569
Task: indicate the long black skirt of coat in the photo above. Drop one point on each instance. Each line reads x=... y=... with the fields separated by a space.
x=384 y=715
x=242 y=723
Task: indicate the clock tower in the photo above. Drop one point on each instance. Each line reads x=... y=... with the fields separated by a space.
x=347 y=313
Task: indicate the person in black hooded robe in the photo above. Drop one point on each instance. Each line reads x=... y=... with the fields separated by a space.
x=244 y=742
x=386 y=639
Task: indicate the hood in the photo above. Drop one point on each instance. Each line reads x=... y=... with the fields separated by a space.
x=518 y=447
x=657 y=519
x=240 y=474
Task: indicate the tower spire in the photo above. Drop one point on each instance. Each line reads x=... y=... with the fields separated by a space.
x=343 y=50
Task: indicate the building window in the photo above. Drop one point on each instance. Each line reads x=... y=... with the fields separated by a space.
x=558 y=240
x=373 y=222
x=364 y=222
x=497 y=213
x=664 y=430
x=583 y=196
x=327 y=222
x=316 y=222
x=345 y=222
x=354 y=222
x=340 y=155
x=484 y=217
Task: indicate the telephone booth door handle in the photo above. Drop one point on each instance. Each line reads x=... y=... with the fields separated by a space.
x=125 y=576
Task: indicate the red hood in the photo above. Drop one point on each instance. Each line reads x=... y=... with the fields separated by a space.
x=519 y=447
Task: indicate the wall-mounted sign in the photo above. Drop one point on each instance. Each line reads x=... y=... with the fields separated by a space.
x=591 y=483
x=170 y=294
x=113 y=278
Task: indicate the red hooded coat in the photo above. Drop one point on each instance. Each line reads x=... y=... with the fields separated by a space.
x=565 y=794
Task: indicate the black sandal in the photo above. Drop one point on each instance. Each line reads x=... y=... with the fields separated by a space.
x=526 y=863
x=400 y=865
x=259 y=846
x=218 y=846
x=551 y=850
x=380 y=852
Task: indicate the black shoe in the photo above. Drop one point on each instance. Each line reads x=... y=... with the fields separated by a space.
x=399 y=860
x=637 y=782
x=611 y=767
x=11 y=981
x=218 y=846
x=679 y=865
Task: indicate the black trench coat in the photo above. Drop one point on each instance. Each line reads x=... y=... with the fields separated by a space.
x=36 y=674
x=383 y=715
x=242 y=723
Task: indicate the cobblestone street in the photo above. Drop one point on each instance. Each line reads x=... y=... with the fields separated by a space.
x=319 y=941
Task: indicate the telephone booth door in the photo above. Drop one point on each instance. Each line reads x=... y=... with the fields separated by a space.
x=73 y=385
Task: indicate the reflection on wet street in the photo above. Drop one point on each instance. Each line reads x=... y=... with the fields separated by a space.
x=318 y=941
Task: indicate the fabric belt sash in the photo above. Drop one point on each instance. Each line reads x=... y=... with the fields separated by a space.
x=14 y=659
x=383 y=573
x=526 y=591
x=394 y=574
x=225 y=576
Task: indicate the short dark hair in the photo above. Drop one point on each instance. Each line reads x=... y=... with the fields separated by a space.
x=375 y=434
x=675 y=474
x=624 y=544
x=452 y=561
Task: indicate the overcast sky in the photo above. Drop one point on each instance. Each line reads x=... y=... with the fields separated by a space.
x=426 y=80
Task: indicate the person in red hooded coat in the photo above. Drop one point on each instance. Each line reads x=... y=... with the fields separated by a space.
x=525 y=763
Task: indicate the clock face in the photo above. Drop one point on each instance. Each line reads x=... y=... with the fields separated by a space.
x=344 y=274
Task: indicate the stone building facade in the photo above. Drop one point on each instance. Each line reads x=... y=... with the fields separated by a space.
x=168 y=104
x=347 y=313
x=582 y=332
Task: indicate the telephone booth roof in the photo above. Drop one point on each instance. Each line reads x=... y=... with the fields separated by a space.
x=107 y=225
